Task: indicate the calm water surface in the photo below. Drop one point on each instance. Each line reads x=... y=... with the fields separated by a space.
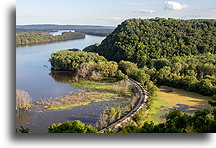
x=33 y=75
x=33 y=68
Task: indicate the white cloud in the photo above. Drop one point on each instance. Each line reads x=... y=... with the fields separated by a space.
x=146 y=11
x=171 y=5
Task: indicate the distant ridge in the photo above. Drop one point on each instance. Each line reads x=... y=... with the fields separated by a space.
x=62 y=27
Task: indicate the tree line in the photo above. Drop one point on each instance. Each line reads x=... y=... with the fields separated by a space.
x=96 y=32
x=39 y=37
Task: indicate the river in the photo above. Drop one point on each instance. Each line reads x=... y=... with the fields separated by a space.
x=33 y=68
x=33 y=76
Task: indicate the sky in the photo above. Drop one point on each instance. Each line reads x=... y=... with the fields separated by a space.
x=109 y=12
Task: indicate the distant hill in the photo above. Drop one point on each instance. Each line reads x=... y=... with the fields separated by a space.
x=138 y=40
x=62 y=27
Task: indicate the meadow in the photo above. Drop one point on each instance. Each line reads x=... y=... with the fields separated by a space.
x=169 y=98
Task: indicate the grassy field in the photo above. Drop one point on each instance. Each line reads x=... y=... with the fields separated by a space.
x=170 y=98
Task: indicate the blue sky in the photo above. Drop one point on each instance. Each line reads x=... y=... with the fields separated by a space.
x=109 y=12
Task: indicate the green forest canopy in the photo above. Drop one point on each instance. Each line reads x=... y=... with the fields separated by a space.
x=70 y=60
x=38 y=37
x=138 y=40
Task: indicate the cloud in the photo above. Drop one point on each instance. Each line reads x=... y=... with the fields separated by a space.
x=171 y=5
x=146 y=11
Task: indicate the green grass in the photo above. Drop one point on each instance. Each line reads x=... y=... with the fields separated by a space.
x=169 y=98
x=106 y=84
x=68 y=106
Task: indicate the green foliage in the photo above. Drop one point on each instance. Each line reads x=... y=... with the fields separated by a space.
x=193 y=73
x=213 y=101
x=178 y=122
x=70 y=60
x=112 y=114
x=71 y=127
x=177 y=53
x=107 y=69
x=96 y=32
x=73 y=49
x=139 y=40
x=143 y=75
x=91 y=48
x=39 y=37
x=139 y=117
x=121 y=76
x=24 y=130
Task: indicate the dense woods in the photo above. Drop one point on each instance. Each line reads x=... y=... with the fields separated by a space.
x=69 y=60
x=138 y=40
x=96 y=32
x=38 y=37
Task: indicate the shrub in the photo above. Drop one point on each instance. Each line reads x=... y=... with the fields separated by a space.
x=121 y=76
x=71 y=127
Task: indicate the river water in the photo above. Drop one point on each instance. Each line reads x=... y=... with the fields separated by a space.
x=33 y=75
x=33 y=68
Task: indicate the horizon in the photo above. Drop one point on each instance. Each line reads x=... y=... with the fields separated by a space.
x=108 y=25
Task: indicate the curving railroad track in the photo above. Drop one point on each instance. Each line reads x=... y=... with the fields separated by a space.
x=139 y=104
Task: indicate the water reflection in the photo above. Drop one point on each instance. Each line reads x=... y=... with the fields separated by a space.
x=64 y=76
x=22 y=117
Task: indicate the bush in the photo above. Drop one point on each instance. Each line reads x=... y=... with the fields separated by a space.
x=71 y=127
x=121 y=76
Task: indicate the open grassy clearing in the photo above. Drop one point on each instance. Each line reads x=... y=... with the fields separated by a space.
x=169 y=98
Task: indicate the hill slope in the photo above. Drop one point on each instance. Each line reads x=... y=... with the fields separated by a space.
x=138 y=40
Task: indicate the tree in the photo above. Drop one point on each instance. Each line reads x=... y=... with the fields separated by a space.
x=71 y=127
x=205 y=87
x=121 y=76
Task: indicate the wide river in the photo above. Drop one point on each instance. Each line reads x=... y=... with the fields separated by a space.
x=33 y=76
x=33 y=68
